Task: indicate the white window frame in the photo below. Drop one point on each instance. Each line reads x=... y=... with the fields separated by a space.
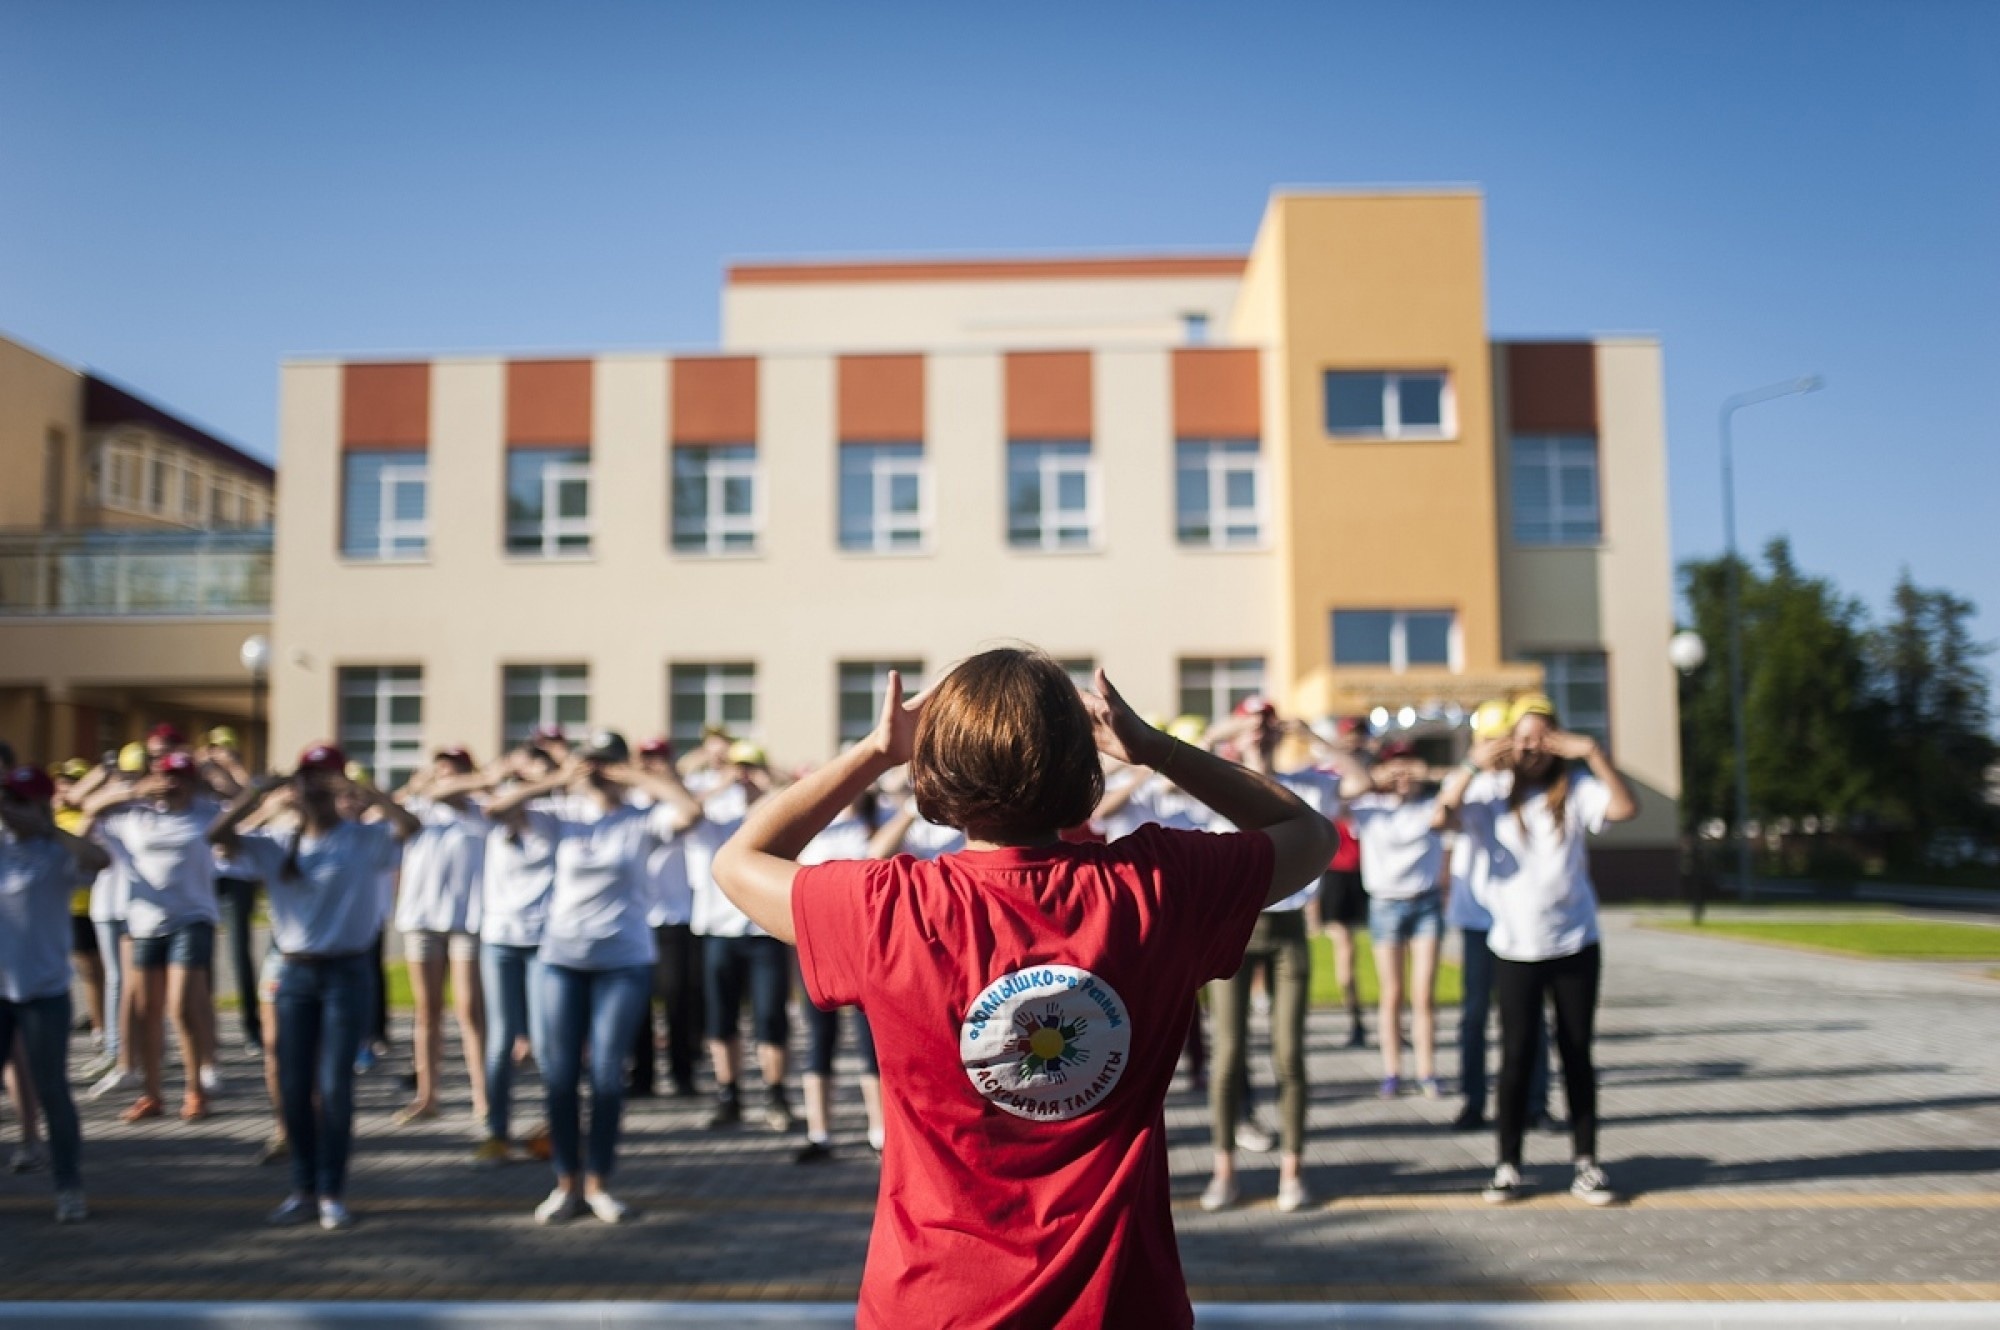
x=718 y=524
x=1399 y=643
x=884 y=470
x=1225 y=675
x=554 y=528
x=1220 y=464
x=878 y=689
x=1392 y=407
x=548 y=688
x=1050 y=468
x=1568 y=525
x=393 y=476
x=194 y=490
x=1560 y=674
x=717 y=680
x=385 y=739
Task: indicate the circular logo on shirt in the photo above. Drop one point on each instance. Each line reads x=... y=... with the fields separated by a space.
x=1046 y=1043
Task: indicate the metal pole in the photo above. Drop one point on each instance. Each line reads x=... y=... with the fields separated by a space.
x=254 y=750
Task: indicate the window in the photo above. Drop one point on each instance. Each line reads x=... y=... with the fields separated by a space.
x=1555 y=490
x=1082 y=671
x=1212 y=688
x=1578 y=683
x=699 y=696
x=193 y=490
x=863 y=684
x=384 y=505
x=218 y=504
x=1219 y=492
x=1194 y=329
x=548 y=501
x=156 y=483
x=715 y=499
x=536 y=695
x=1379 y=405
x=883 y=503
x=382 y=721
x=1395 y=639
x=1051 y=496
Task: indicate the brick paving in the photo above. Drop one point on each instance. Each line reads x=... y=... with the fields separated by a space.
x=1790 y=1126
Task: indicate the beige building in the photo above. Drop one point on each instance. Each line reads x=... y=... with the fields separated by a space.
x=135 y=554
x=1307 y=471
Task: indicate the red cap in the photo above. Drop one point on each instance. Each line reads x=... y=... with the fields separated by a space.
x=1256 y=705
x=1396 y=750
x=657 y=747
x=29 y=785
x=173 y=764
x=542 y=732
x=1348 y=724
x=167 y=734
x=458 y=757
x=322 y=757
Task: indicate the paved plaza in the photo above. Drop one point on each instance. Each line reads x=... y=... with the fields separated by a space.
x=1790 y=1127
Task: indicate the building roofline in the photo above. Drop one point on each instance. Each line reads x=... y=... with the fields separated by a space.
x=107 y=403
x=1037 y=267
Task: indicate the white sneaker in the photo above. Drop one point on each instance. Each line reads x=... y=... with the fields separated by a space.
x=1292 y=1195
x=1251 y=1137
x=70 y=1208
x=98 y=1065
x=333 y=1216
x=607 y=1207
x=294 y=1210
x=211 y=1080
x=1220 y=1195
x=114 y=1081
x=1505 y=1187
x=560 y=1207
x=1592 y=1187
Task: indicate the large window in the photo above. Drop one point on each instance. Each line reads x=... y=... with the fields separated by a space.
x=535 y=695
x=1051 y=496
x=699 y=696
x=1383 y=405
x=1219 y=492
x=863 y=685
x=715 y=499
x=1395 y=639
x=883 y=503
x=385 y=506
x=548 y=501
x=1555 y=490
x=1212 y=688
x=382 y=721
x=1578 y=682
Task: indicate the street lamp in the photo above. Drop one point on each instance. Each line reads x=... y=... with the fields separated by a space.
x=1687 y=653
x=1811 y=383
x=256 y=658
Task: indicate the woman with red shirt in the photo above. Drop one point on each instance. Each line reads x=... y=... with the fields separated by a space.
x=1029 y=996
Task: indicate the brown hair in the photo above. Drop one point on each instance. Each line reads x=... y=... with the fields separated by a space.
x=1557 y=788
x=1004 y=750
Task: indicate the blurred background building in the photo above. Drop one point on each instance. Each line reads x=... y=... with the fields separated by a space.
x=135 y=559
x=1307 y=472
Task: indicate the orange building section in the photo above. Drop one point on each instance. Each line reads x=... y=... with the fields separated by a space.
x=1048 y=395
x=1552 y=387
x=986 y=270
x=881 y=399
x=548 y=403
x=1218 y=393
x=385 y=406
x=714 y=400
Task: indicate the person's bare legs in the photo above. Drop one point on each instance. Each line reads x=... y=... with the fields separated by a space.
x=469 y=1004
x=817 y=1092
x=1423 y=1004
x=90 y=972
x=187 y=996
x=427 y=1037
x=148 y=1030
x=724 y=1055
x=871 y=1104
x=771 y=1062
x=1389 y=1017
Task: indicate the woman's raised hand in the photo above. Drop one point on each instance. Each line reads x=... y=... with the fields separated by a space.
x=1569 y=746
x=895 y=736
x=1117 y=729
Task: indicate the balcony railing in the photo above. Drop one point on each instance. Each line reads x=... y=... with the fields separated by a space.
x=104 y=573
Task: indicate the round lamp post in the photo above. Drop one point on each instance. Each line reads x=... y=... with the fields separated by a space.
x=256 y=658
x=1687 y=653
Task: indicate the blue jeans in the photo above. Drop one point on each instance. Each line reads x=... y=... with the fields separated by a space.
x=43 y=1024
x=764 y=965
x=602 y=1008
x=1472 y=1017
x=511 y=978
x=108 y=935
x=323 y=1007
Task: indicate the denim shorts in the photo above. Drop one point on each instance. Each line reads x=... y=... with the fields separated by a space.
x=1399 y=921
x=189 y=947
x=425 y=944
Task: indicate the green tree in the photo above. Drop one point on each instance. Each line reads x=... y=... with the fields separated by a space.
x=1937 y=739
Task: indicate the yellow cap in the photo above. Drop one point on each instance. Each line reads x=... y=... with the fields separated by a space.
x=222 y=737
x=1490 y=719
x=1188 y=729
x=132 y=757
x=359 y=774
x=1156 y=720
x=1530 y=704
x=746 y=754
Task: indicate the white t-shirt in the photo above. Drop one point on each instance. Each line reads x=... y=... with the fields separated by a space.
x=714 y=914
x=335 y=906
x=443 y=868
x=1462 y=908
x=846 y=837
x=520 y=872
x=931 y=840
x=602 y=895
x=1321 y=791
x=666 y=869
x=36 y=877
x=1536 y=882
x=165 y=866
x=1159 y=802
x=1400 y=854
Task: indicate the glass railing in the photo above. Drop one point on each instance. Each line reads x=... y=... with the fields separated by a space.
x=101 y=573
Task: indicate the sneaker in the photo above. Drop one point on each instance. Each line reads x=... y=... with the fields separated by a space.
x=364 y=1061
x=28 y=1158
x=491 y=1153
x=560 y=1207
x=777 y=1113
x=607 y=1207
x=877 y=1138
x=99 y=1066
x=292 y=1211
x=1260 y=1003
x=1391 y=1087
x=1430 y=1088
x=118 y=1078
x=70 y=1208
x=1506 y=1186
x=211 y=1080
x=1357 y=1037
x=536 y=1145
x=1251 y=1137
x=1591 y=1186
x=1469 y=1118
x=1219 y=1195
x=684 y=1090
x=1292 y=1194
x=813 y=1152
x=143 y=1108
x=333 y=1216
x=275 y=1150
x=728 y=1113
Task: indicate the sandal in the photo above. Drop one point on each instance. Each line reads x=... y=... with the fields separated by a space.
x=412 y=1113
x=194 y=1108
x=144 y=1107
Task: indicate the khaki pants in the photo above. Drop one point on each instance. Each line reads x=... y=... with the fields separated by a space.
x=1282 y=938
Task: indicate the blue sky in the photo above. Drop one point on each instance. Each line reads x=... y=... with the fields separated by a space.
x=189 y=192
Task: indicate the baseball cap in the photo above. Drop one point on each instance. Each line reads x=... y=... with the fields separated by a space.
x=746 y=754
x=456 y=756
x=132 y=758
x=29 y=784
x=1188 y=729
x=175 y=763
x=166 y=733
x=1256 y=705
x=322 y=757
x=1530 y=704
x=545 y=733
x=606 y=746
x=657 y=746
x=1396 y=750
x=222 y=737
x=74 y=768
x=1489 y=720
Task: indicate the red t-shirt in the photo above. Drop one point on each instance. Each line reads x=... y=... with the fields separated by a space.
x=1347 y=857
x=1028 y=1007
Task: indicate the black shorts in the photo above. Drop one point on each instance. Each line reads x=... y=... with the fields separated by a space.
x=82 y=935
x=1342 y=899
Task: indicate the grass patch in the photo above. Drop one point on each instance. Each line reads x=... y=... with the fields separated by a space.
x=1890 y=939
x=1326 y=993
